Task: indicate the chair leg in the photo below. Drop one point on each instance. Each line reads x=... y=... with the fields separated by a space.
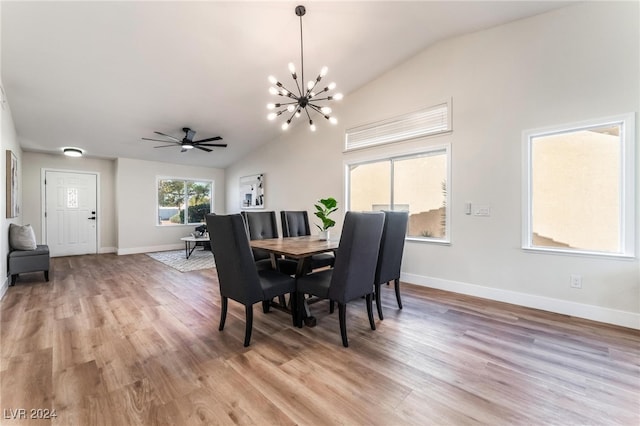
x=397 y=285
x=368 y=297
x=46 y=275
x=248 y=325
x=342 y=313
x=223 y=313
x=266 y=304
x=293 y=303
x=14 y=277
x=332 y=306
x=379 y=302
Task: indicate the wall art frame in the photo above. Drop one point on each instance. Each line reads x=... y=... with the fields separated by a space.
x=252 y=192
x=13 y=208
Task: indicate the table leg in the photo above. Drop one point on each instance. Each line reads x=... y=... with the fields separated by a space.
x=309 y=320
x=188 y=249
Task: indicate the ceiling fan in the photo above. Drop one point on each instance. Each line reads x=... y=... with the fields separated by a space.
x=187 y=142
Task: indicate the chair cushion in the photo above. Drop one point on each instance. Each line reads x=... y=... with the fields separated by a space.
x=316 y=284
x=322 y=260
x=288 y=266
x=40 y=250
x=22 y=237
x=275 y=283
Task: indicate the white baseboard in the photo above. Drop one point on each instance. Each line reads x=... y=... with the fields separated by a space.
x=4 y=287
x=150 y=249
x=103 y=250
x=565 y=307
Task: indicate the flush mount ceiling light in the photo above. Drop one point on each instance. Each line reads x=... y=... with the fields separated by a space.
x=72 y=152
x=307 y=96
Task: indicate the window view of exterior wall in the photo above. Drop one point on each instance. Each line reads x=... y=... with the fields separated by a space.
x=576 y=189
x=175 y=196
x=417 y=184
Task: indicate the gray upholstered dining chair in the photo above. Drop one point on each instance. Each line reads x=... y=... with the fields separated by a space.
x=390 y=256
x=296 y=224
x=354 y=270
x=237 y=274
x=261 y=225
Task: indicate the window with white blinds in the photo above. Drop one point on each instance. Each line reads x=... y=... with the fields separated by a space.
x=429 y=121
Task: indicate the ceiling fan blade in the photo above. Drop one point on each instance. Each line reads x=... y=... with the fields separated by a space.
x=189 y=135
x=164 y=146
x=221 y=145
x=158 y=140
x=216 y=138
x=167 y=136
x=200 y=147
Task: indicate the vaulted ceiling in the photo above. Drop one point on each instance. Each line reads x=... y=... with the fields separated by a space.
x=103 y=75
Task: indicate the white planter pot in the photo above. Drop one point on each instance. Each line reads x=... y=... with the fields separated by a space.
x=324 y=235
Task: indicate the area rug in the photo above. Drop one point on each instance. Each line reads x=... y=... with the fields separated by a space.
x=199 y=259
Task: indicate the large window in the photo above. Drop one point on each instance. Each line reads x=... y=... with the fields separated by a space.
x=579 y=188
x=183 y=202
x=417 y=183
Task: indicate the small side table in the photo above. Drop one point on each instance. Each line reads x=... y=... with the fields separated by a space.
x=188 y=248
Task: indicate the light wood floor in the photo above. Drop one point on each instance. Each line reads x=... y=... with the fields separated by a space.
x=120 y=340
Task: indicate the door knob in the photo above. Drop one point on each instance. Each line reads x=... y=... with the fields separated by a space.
x=92 y=218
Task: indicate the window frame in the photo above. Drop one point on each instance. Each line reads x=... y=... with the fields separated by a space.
x=184 y=180
x=403 y=155
x=627 y=161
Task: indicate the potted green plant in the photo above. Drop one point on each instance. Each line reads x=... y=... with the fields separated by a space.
x=324 y=208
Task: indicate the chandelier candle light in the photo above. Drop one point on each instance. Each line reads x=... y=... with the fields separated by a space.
x=307 y=97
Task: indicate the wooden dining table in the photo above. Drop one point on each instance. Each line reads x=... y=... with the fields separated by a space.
x=298 y=248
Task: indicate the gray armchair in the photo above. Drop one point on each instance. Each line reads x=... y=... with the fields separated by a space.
x=34 y=258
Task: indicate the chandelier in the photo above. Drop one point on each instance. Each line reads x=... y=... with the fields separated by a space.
x=305 y=99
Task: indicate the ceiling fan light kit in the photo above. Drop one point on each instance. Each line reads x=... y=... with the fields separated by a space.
x=187 y=143
x=308 y=96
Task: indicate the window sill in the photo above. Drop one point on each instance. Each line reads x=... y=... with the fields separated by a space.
x=583 y=253
x=428 y=240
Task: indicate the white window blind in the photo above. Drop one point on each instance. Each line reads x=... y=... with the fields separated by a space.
x=429 y=121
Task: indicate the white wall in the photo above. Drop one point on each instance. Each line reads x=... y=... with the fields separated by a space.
x=8 y=141
x=136 y=204
x=572 y=64
x=34 y=163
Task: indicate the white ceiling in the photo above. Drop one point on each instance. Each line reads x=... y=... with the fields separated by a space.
x=102 y=75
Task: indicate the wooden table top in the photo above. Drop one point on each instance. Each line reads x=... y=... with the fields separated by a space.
x=295 y=247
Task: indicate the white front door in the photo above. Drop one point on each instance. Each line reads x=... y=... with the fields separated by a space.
x=70 y=213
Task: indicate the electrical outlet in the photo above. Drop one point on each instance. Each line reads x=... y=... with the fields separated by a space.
x=576 y=281
x=482 y=211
